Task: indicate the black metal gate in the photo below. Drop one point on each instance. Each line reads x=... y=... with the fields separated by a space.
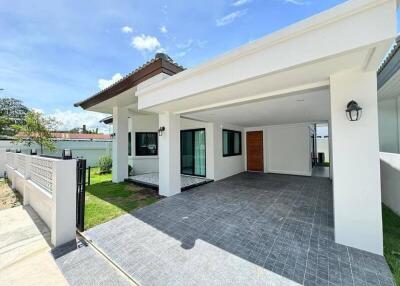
x=80 y=193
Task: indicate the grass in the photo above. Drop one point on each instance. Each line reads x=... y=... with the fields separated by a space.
x=391 y=241
x=106 y=200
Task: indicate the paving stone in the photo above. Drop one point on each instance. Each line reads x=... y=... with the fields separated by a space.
x=249 y=229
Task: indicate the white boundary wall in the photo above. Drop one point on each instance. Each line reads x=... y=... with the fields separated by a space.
x=49 y=187
x=390 y=180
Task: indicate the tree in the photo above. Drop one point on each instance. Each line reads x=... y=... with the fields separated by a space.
x=12 y=112
x=37 y=129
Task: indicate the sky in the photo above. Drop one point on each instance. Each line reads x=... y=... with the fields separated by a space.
x=54 y=53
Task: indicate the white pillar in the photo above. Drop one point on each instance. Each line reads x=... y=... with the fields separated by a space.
x=356 y=169
x=63 y=221
x=169 y=155
x=120 y=145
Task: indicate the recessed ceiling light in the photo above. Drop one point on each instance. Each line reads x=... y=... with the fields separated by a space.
x=300 y=100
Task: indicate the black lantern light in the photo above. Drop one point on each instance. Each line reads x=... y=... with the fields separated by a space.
x=161 y=130
x=67 y=154
x=353 y=111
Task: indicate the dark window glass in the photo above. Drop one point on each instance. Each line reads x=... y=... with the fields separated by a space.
x=146 y=144
x=231 y=143
x=129 y=144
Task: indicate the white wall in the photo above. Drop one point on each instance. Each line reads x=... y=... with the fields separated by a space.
x=355 y=151
x=286 y=149
x=49 y=186
x=226 y=166
x=390 y=180
x=143 y=123
x=388 y=125
x=89 y=150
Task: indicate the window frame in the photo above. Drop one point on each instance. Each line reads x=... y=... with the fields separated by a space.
x=233 y=147
x=137 y=146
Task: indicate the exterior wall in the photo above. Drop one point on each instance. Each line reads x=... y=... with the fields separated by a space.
x=90 y=150
x=390 y=183
x=286 y=149
x=355 y=150
x=49 y=186
x=226 y=166
x=143 y=123
x=388 y=111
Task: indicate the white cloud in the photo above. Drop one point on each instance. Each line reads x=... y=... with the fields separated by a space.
x=187 y=46
x=104 y=83
x=145 y=43
x=240 y=2
x=298 y=2
x=70 y=119
x=228 y=19
x=163 y=29
x=127 y=29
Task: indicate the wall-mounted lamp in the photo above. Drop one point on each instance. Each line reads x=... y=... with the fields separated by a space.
x=161 y=130
x=353 y=111
x=67 y=154
x=33 y=152
x=112 y=135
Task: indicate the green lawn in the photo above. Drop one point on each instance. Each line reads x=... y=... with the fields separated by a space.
x=391 y=241
x=106 y=200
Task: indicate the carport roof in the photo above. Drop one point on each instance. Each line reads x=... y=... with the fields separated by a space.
x=161 y=63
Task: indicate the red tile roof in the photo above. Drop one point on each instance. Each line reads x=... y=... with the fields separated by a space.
x=80 y=136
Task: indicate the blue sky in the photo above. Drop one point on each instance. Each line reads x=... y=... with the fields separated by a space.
x=54 y=53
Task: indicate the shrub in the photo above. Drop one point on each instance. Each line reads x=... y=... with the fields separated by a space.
x=105 y=164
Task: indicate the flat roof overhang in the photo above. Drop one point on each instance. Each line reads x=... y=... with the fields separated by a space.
x=353 y=35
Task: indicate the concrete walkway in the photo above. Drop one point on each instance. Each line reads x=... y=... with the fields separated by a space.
x=25 y=257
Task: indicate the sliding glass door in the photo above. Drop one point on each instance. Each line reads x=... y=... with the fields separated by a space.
x=193 y=152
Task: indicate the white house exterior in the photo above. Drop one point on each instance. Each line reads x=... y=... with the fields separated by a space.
x=269 y=93
x=389 y=118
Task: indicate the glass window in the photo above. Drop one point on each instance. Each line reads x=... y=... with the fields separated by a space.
x=146 y=143
x=231 y=142
x=129 y=144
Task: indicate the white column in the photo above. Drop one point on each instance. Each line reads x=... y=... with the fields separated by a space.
x=169 y=155
x=356 y=169
x=64 y=202
x=120 y=145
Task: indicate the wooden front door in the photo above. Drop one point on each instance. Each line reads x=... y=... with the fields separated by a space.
x=255 y=153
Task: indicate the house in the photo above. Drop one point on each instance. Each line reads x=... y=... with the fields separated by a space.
x=253 y=109
x=389 y=116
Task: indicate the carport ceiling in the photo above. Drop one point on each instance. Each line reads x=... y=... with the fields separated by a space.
x=312 y=106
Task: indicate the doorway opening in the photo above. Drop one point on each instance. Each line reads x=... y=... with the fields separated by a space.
x=193 y=152
x=255 y=152
x=321 y=154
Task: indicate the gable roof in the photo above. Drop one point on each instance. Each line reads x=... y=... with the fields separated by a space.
x=161 y=63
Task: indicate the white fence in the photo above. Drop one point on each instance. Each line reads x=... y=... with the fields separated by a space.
x=390 y=180
x=91 y=151
x=49 y=187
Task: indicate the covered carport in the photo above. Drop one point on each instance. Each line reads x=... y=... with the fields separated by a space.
x=334 y=54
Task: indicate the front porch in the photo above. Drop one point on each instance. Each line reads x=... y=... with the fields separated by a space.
x=249 y=229
x=151 y=180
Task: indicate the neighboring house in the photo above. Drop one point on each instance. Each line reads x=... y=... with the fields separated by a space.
x=255 y=109
x=389 y=127
x=87 y=146
x=389 y=101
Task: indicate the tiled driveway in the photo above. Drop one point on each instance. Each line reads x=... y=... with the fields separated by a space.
x=250 y=229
